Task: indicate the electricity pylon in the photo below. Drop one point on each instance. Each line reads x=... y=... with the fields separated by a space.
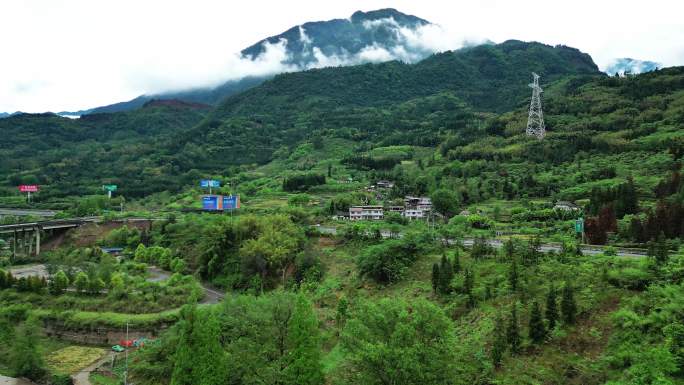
x=535 y=120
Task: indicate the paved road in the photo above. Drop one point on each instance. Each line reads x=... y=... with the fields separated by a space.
x=14 y=381
x=83 y=377
x=497 y=243
x=211 y=294
x=25 y=271
x=27 y=212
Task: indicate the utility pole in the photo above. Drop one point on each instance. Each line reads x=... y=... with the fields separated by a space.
x=126 y=364
x=535 y=119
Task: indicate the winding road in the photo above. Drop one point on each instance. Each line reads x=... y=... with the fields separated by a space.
x=498 y=243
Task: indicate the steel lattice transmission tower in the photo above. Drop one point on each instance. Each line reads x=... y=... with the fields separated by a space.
x=535 y=120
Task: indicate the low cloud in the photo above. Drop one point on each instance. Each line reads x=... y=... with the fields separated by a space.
x=411 y=45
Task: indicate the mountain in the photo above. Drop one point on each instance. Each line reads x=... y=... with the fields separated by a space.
x=161 y=147
x=632 y=66
x=365 y=37
x=200 y=95
x=294 y=106
x=75 y=156
x=316 y=43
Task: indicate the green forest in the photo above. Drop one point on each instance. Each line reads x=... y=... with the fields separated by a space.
x=495 y=286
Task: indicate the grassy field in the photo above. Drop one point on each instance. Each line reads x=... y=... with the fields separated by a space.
x=71 y=359
x=101 y=379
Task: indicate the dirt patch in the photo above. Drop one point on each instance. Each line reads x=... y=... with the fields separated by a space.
x=326 y=242
x=88 y=234
x=590 y=335
x=29 y=271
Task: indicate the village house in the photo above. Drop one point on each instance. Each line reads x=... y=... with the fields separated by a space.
x=384 y=184
x=396 y=209
x=566 y=206
x=358 y=213
x=422 y=203
x=415 y=213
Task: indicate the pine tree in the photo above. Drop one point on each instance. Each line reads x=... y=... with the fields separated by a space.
x=25 y=357
x=537 y=331
x=513 y=331
x=435 y=277
x=551 y=309
x=304 y=359
x=661 y=251
x=513 y=275
x=81 y=282
x=509 y=249
x=468 y=283
x=499 y=343
x=96 y=285
x=457 y=262
x=568 y=305
x=199 y=358
x=342 y=311
x=4 y=282
x=446 y=274
x=59 y=283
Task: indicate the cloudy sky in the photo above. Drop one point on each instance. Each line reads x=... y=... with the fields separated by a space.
x=71 y=54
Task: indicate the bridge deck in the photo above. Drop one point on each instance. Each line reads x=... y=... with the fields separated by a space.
x=46 y=225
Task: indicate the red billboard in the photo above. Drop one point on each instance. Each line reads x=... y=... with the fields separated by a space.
x=28 y=188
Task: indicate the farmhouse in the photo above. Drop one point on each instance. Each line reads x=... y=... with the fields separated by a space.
x=357 y=213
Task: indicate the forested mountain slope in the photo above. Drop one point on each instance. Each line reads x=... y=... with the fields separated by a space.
x=362 y=101
x=456 y=100
x=75 y=156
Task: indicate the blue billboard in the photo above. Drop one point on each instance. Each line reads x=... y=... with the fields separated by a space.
x=210 y=202
x=231 y=202
x=209 y=183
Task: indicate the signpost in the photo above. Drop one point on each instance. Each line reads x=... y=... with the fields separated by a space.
x=209 y=183
x=579 y=227
x=220 y=202
x=109 y=188
x=28 y=188
x=231 y=202
x=212 y=203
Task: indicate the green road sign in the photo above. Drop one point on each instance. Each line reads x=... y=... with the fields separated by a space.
x=579 y=225
x=109 y=187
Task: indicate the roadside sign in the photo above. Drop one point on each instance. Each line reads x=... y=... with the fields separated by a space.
x=212 y=203
x=579 y=225
x=207 y=183
x=231 y=202
x=28 y=188
x=109 y=187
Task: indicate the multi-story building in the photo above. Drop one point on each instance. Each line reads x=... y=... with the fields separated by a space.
x=421 y=203
x=414 y=213
x=396 y=209
x=358 y=213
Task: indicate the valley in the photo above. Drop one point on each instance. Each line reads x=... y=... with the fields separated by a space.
x=378 y=223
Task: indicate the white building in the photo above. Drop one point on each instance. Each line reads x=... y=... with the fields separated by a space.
x=422 y=203
x=566 y=206
x=414 y=213
x=384 y=184
x=358 y=213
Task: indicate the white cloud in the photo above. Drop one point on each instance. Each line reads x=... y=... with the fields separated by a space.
x=306 y=40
